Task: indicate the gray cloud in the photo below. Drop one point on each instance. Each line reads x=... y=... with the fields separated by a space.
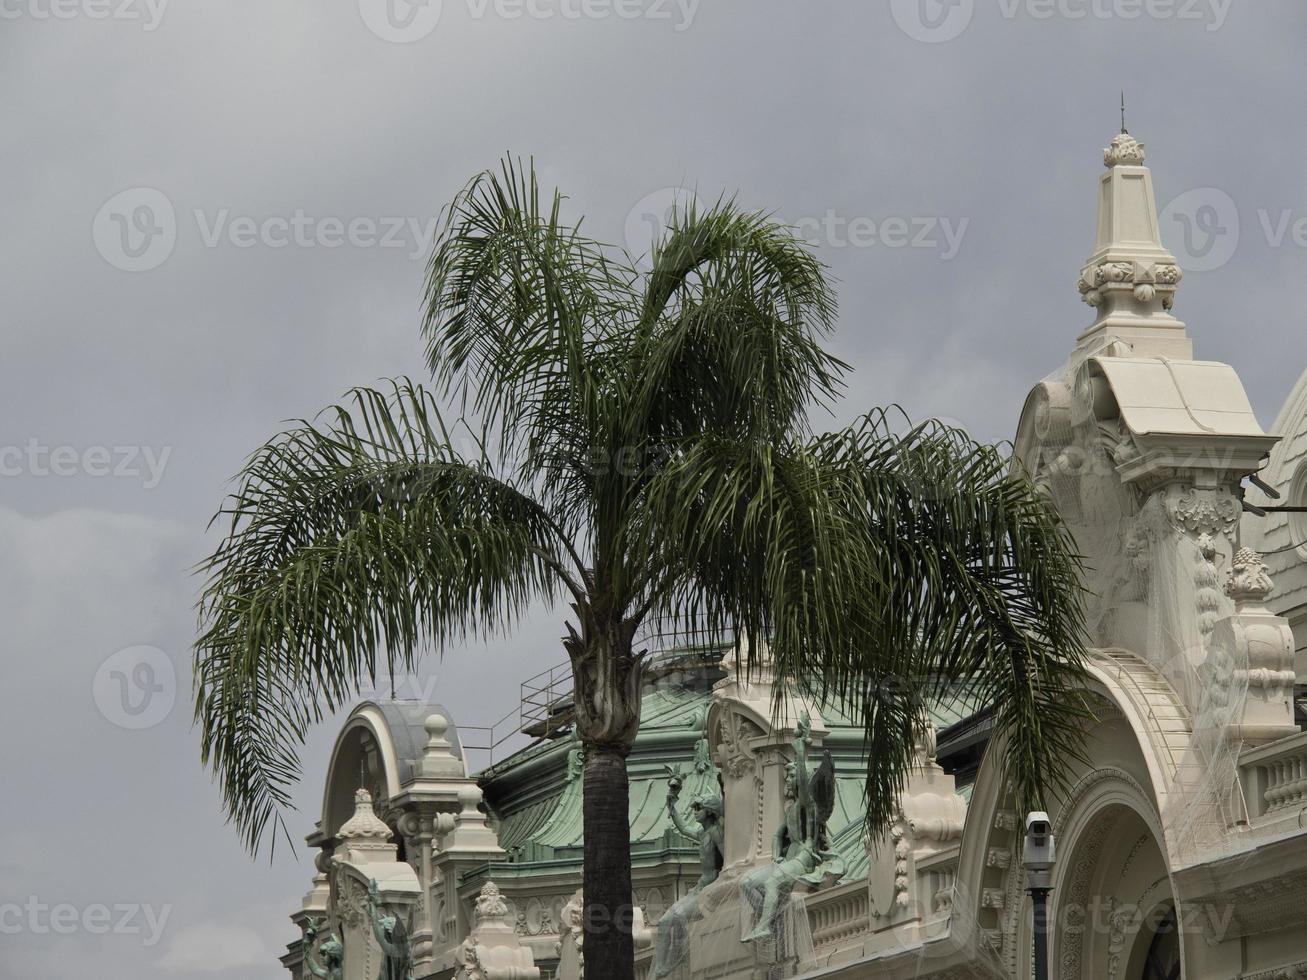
x=265 y=118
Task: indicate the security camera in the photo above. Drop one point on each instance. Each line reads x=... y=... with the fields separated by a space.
x=1038 y=825
x=1040 y=849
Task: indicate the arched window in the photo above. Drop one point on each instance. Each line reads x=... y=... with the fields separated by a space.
x=1163 y=959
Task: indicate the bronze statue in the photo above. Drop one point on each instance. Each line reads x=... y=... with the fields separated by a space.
x=800 y=847
x=674 y=928
x=332 y=965
x=392 y=937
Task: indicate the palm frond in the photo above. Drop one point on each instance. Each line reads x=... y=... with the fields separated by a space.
x=979 y=588
x=735 y=311
x=885 y=570
x=348 y=544
x=521 y=309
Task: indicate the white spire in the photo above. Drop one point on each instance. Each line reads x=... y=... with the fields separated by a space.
x=1131 y=279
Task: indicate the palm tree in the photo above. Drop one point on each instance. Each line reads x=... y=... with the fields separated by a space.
x=643 y=453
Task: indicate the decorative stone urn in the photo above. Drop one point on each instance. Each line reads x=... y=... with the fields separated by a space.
x=492 y=950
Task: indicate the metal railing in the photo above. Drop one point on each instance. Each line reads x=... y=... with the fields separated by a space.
x=545 y=709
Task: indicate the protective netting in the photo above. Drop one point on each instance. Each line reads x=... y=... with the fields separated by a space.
x=961 y=939
x=1156 y=591
x=791 y=944
x=714 y=931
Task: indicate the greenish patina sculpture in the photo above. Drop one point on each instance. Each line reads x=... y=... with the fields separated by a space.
x=674 y=928
x=800 y=847
x=332 y=963
x=392 y=937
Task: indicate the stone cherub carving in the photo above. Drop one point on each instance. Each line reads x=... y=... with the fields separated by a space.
x=674 y=928
x=800 y=847
x=392 y=936
x=331 y=966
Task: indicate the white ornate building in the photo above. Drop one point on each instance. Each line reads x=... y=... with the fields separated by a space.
x=1182 y=844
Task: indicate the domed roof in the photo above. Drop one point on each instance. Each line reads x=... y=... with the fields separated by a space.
x=386 y=739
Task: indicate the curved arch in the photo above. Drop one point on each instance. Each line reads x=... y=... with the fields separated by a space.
x=989 y=869
x=1112 y=874
x=1153 y=711
x=346 y=754
x=395 y=737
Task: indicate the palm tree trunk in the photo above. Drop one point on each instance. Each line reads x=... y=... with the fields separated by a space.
x=609 y=945
x=606 y=679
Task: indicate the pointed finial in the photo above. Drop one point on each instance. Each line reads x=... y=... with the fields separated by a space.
x=1123 y=129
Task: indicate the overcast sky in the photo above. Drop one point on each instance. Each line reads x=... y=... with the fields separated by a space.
x=213 y=216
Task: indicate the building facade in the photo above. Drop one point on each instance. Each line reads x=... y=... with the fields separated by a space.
x=1182 y=841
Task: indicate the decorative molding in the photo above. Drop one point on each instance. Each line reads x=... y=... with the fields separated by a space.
x=1249 y=582
x=1270 y=905
x=998 y=857
x=733 y=752
x=1290 y=971
x=1086 y=849
x=1125 y=151
x=1205 y=510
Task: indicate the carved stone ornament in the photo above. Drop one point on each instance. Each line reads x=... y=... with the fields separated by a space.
x=1291 y=971
x=365 y=824
x=1144 y=279
x=1125 y=151
x=351 y=899
x=733 y=750
x=1250 y=583
x=490 y=903
x=1208 y=511
x=493 y=950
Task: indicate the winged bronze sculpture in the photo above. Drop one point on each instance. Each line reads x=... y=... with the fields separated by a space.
x=801 y=845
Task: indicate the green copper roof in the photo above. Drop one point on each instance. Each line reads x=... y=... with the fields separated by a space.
x=535 y=795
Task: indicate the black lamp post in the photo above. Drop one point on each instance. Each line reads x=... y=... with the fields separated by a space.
x=1037 y=857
